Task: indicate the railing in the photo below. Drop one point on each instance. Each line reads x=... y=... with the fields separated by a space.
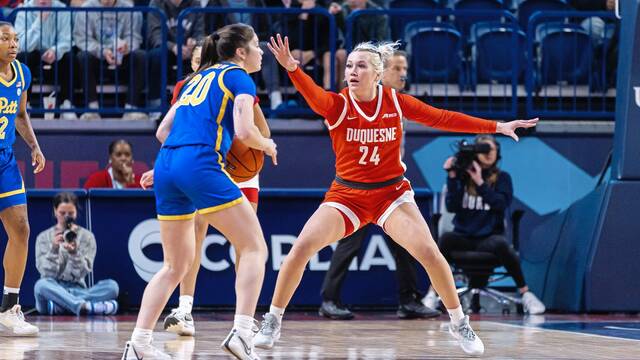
x=271 y=71
x=122 y=82
x=576 y=84
x=442 y=58
x=454 y=64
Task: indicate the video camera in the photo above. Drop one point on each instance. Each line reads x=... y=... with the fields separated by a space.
x=69 y=235
x=466 y=154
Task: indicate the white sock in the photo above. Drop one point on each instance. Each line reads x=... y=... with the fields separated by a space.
x=244 y=324
x=186 y=303
x=278 y=312
x=10 y=290
x=456 y=315
x=142 y=337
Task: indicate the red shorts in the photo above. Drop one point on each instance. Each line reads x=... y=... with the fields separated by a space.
x=251 y=194
x=361 y=207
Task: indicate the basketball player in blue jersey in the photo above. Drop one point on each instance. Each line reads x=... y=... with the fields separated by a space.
x=189 y=176
x=14 y=81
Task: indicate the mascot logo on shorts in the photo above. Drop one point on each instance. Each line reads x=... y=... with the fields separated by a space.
x=145 y=234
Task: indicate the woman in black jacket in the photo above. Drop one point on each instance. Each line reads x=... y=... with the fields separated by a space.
x=479 y=199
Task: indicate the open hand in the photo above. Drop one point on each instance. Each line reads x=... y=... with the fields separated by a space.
x=282 y=53
x=509 y=128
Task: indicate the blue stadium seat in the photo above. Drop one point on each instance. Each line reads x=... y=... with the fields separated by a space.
x=464 y=22
x=436 y=53
x=528 y=7
x=492 y=53
x=564 y=54
x=398 y=22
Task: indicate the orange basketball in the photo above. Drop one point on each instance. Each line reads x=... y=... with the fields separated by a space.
x=243 y=162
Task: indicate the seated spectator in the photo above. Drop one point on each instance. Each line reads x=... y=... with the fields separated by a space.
x=193 y=26
x=111 y=40
x=119 y=174
x=45 y=42
x=8 y=6
x=479 y=198
x=365 y=28
x=308 y=31
x=64 y=256
x=263 y=24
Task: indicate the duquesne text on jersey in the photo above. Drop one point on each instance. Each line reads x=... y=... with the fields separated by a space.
x=365 y=136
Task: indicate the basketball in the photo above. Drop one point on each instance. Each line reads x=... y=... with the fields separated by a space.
x=243 y=162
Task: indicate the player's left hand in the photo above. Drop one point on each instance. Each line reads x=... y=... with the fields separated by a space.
x=37 y=160
x=509 y=128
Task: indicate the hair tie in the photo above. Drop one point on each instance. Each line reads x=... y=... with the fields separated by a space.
x=215 y=36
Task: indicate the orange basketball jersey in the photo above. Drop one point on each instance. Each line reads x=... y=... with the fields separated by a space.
x=367 y=143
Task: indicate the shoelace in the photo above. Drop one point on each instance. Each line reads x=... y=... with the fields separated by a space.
x=467 y=332
x=268 y=325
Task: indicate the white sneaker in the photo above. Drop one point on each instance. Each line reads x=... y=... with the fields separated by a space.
x=269 y=332
x=134 y=115
x=70 y=115
x=532 y=305
x=431 y=299
x=239 y=347
x=135 y=352
x=180 y=322
x=468 y=340
x=91 y=115
x=12 y=323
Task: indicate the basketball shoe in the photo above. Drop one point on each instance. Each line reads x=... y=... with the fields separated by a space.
x=180 y=322
x=12 y=323
x=467 y=338
x=239 y=347
x=269 y=332
x=140 y=352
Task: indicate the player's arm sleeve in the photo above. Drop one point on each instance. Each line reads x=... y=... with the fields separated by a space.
x=416 y=110
x=238 y=82
x=324 y=103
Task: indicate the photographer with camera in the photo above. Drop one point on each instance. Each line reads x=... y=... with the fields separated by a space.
x=479 y=193
x=64 y=256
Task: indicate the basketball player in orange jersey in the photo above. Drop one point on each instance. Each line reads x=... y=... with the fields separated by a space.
x=180 y=320
x=364 y=122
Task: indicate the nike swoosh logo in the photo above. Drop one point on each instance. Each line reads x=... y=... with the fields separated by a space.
x=351 y=117
x=247 y=349
x=398 y=187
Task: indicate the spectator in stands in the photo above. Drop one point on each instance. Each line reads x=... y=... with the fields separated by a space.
x=597 y=29
x=365 y=28
x=8 y=6
x=193 y=26
x=64 y=256
x=308 y=37
x=45 y=42
x=263 y=24
x=479 y=197
x=119 y=174
x=111 y=40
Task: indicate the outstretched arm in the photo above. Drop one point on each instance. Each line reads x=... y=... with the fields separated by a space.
x=418 y=111
x=322 y=102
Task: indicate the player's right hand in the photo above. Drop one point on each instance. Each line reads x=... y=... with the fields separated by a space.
x=146 y=180
x=270 y=150
x=282 y=53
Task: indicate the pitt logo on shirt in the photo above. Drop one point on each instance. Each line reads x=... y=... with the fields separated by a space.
x=7 y=107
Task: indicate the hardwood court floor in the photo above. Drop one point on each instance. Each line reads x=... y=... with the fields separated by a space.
x=370 y=336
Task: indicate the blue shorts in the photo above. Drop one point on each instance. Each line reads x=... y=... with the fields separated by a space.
x=11 y=185
x=190 y=177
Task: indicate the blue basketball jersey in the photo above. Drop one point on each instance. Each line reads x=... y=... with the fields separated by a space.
x=205 y=108
x=10 y=94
